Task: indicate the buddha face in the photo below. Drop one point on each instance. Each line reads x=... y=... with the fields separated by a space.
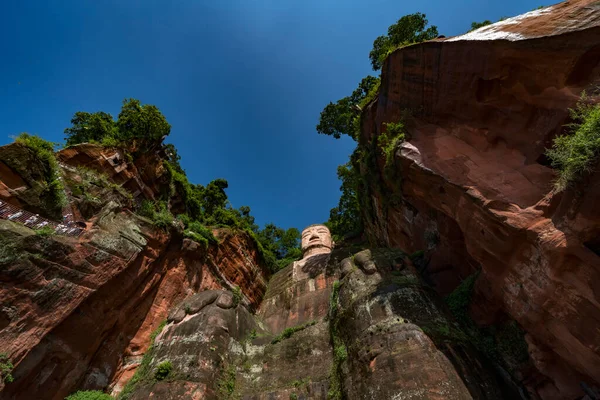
x=316 y=236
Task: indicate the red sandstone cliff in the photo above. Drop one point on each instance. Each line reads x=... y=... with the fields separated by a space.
x=473 y=188
x=78 y=312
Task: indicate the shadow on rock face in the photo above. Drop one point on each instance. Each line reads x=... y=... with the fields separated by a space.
x=313 y=266
x=389 y=320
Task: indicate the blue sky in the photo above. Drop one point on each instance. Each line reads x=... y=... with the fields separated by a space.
x=241 y=82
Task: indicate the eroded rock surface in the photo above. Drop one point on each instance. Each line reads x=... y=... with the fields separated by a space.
x=77 y=313
x=473 y=189
x=343 y=324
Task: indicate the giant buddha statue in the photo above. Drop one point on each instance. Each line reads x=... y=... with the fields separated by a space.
x=316 y=246
x=316 y=239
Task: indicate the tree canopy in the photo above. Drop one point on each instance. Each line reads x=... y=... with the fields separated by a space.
x=409 y=29
x=141 y=127
x=136 y=122
x=141 y=121
x=477 y=25
x=345 y=217
x=90 y=127
x=283 y=244
x=338 y=118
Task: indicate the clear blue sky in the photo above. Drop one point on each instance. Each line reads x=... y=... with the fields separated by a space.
x=241 y=82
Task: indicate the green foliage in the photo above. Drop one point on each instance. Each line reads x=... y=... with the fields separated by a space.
x=340 y=353
x=46 y=231
x=372 y=92
x=158 y=330
x=173 y=157
x=90 y=127
x=293 y=396
x=53 y=194
x=139 y=128
x=226 y=384
x=89 y=395
x=345 y=218
x=214 y=197
x=158 y=212
x=339 y=118
x=407 y=30
x=141 y=121
x=577 y=153
x=278 y=246
x=147 y=209
x=237 y=295
x=137 y=123
x=163 y=217
x=477 y=25
x=389 y=140
x=6 y=367
x=142 y=373
x=459 y=300
x=163 y=370
x=288 y=332
x=199 y=233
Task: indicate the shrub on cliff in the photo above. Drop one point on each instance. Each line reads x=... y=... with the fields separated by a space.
x=390 y=139
x=407 y=30
x=577 y=153
x=163 y=370
x=158 y=212
x=89 y=395
x=53 y=194
x=6 y=367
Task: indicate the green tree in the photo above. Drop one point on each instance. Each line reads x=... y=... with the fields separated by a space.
x=90 y=127
x=173 y=157
x=214 y=196
x=141 y=121
x=247 y=219
x=409 y=29
x=338 y=118
x=345 y=218
x=282 y=244
x=477 y=25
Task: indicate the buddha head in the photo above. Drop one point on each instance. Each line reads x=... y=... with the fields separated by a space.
x=316 y=239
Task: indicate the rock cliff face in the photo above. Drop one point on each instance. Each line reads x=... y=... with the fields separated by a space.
x=473 y=188
x=343 y=325
x=143 y=313
x=78 y=312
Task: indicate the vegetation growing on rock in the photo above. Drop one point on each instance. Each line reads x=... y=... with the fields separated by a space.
x=288 y=332
x=340 y=353
x=141 y=128
x=143 y=372
x=163 y=370
x=89 y=395
x=344 y=118
x=577 y=153
x=40 y=169
x=6 y=367
x=477 y=25
x=407 y=30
